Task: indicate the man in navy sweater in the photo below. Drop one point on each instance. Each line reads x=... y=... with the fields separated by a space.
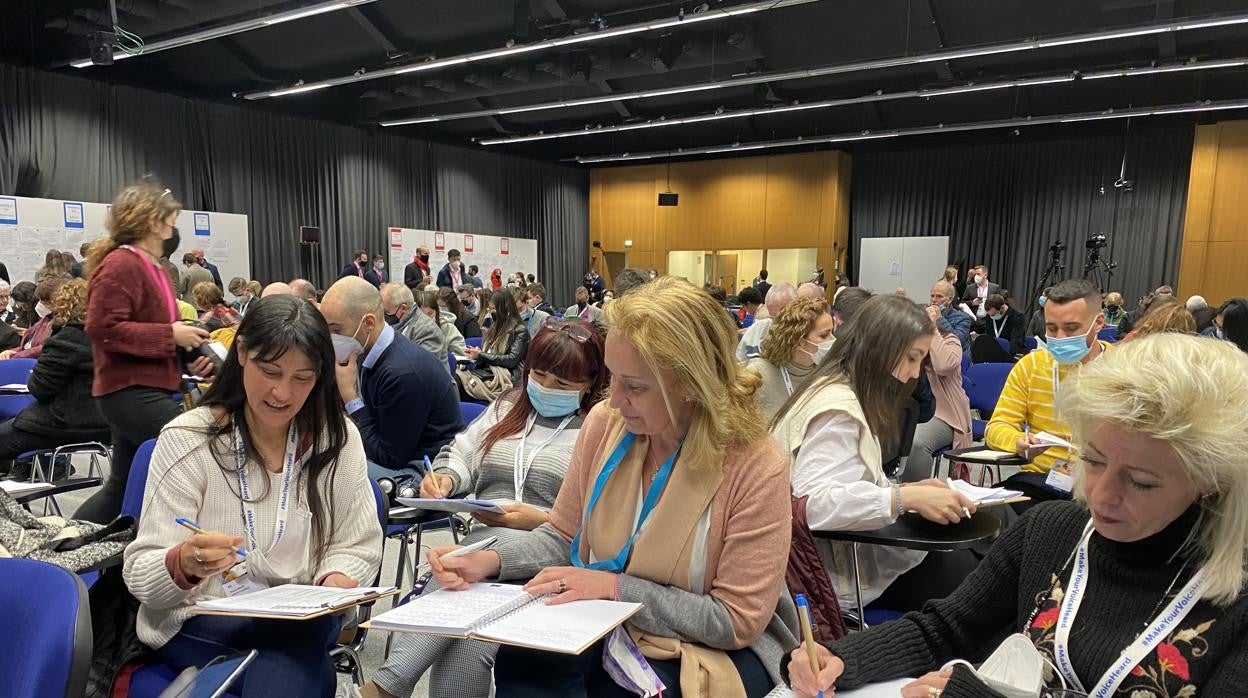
x=398 y=394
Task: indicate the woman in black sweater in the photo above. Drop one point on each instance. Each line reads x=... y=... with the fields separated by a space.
x=1163 y=520
x=64 y=411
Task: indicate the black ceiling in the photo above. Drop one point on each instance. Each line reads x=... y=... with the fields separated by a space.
x=49 y=33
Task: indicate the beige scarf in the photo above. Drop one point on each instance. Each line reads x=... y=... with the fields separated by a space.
x=661 y=554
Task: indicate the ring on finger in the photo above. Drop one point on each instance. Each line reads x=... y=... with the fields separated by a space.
x=562 y=585
x=195 y=552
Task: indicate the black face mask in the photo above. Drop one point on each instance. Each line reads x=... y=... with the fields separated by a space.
x=1112 y=308
x=168 y=247
x=392 y=319
x=424 y=258
x=581 y=304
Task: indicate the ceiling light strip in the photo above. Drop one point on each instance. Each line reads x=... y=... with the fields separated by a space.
x=844 y=68
x=924 y=130
x=234 y=28
x=874 y=97
x=602 y=35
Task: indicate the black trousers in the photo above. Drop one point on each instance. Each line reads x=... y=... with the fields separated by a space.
x=14 y=442
x=134 y=415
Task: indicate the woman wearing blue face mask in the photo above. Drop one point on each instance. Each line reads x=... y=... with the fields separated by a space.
x=798 y=339
x=517 y=452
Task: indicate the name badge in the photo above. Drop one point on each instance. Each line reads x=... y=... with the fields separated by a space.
x=1059 y=477
x=238 y=580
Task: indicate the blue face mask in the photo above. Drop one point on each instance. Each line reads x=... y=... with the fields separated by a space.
x=1069 y=350
x=526 y=315
x=1041 y=300
x=552 y=402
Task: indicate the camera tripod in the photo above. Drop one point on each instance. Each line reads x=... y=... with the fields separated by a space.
x=1051 y=272
x=1099 y=271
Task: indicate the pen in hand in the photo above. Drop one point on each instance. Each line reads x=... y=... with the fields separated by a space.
x=808 y=635
x=188 y=524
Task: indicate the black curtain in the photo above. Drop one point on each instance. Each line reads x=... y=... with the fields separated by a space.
x=65 y=137
x=1005 y=204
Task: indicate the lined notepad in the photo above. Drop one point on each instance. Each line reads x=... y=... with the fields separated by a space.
x=294 y=601
x=884 y=689
x=18 y=489
x=452 y=506
x=983 y=495
x=507 y=614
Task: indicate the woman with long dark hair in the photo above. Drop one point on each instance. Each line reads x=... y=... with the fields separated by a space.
x=267 y=464
x=136 y=335
x=526 y=436
x=506 y=341
x=832 y=431
x=465 y=321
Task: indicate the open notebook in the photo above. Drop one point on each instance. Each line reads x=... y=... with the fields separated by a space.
x=453 y=506
x=508 y=615
x=291 y=601
x=986 y=496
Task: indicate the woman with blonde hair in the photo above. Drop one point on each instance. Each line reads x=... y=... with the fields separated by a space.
x=798 y=339
x=136 y=335
x=675 y=498
x=215 y=313
x=1114 y=311
x=1164 y=317
x=1137 y=588
x=54 y=267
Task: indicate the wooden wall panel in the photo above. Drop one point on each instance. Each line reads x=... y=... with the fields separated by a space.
x=1215 y=226
x=769 y=202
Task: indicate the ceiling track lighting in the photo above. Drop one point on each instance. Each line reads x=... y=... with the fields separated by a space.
x=234 y=28
x=603 y=33
x=1164 y=110
x=1177 y=25
x=720 y=113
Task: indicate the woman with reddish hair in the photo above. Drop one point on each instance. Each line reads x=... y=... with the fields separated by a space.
x=517 y=452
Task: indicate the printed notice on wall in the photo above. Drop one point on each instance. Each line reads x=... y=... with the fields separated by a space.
x=73 y=215
x=202 y=226
x=504 y=246
x=8 y=210
x=439 y=241
x=396 y=238
x=467 y=243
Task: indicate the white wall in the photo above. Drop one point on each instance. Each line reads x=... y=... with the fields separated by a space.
x=793 y=265
x=691 y=264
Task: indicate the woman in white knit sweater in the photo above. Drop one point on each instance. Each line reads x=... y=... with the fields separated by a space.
x=565 y=377
x=268 y=464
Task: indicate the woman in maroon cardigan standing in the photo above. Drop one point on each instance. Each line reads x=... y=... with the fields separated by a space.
x=132 y=320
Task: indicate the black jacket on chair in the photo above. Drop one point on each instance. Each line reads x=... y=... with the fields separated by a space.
x=61 y=386
x=512 y=358
x=1013 y=329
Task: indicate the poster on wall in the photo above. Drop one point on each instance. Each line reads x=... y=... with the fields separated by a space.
x=396 y=238
x=467 y=243
x=439 y=241
x=73 y=214
x=504 y=246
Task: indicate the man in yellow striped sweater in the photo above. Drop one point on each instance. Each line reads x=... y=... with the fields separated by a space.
x=1072 y=317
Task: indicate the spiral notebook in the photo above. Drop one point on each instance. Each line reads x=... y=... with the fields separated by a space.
x=508 y=615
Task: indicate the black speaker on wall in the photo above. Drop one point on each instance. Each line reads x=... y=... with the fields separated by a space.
x=309 y=235
x=668 y=199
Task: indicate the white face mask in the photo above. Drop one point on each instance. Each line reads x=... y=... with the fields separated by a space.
x=978 y=279
x=42 y=310
x=344 y=346
x=1015 y=669
x=821 y=349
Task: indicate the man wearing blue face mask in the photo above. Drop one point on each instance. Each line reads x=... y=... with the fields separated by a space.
x=1072 y=317
x=398 y=394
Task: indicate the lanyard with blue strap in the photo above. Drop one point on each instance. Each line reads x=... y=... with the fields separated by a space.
x=616 y=564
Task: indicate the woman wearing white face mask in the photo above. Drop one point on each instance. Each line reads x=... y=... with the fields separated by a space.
x=798 y=339
x=832 y=431
x=32 y=341
x=517 y=451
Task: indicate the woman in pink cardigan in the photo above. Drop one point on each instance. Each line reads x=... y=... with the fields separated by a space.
x=951 y=427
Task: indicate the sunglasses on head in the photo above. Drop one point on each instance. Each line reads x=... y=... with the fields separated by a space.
x=577 y=330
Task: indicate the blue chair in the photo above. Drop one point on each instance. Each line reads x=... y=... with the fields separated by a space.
x=47 y=622
x=1108 y=334
x=15 y=371
x=473 y=342
x=1005 y=344
x=986 y=382
x=469 y=411
x=136 y=482
x=1030 y=343
x=347 y=656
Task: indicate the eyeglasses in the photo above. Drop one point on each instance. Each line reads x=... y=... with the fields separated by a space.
x=577 y=330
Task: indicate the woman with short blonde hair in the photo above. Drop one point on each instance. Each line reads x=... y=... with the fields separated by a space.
x=1137 y=588
x=706 y=558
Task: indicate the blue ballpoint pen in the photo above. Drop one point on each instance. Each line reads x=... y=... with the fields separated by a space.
x=187 y=523
x=808 y=634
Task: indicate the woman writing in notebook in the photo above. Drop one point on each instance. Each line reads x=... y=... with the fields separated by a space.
x=675 y=498
x=832 y=431
x=268 y=464
x=517 y=452
x=1137 y=588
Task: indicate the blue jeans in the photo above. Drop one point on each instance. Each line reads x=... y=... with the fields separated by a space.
x=293 y=659
x=525 y=673
x=379 y=471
